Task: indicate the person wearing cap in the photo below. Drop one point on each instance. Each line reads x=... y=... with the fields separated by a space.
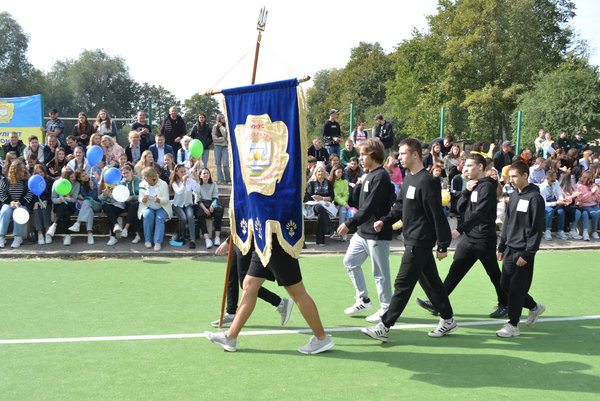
x=383 y=131
x=504 y=156
x=55 y=126
x=332 y=133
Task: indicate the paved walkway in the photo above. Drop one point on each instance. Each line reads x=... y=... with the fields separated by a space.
x=125 y=249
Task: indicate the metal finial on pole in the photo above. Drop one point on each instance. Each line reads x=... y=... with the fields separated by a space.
x=260 y=26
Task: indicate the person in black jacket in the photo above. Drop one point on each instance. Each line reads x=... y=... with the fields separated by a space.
x=203 y=132
x=522 y=231
x=420 y=207
x=320 y=190
x=477 y=204
x=383 y=131
x=375 y=202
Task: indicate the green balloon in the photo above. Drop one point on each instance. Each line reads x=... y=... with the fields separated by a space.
x=196 y=148
x=63 y=187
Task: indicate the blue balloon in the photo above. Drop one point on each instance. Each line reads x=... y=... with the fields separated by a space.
x=36 y=184
x=112 y=176
x=94 y=155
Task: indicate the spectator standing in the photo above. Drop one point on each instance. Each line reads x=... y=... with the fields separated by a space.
x=56 y=127
x=202 y=131
x=143 y=128
x=504 y=156
x=220 y=141
x=359 y=135
x=104 y=125
x=538 y=143
x=82 y=130
x=173 y=128
x=383 y=131
x=446 y=144
x=332 y=133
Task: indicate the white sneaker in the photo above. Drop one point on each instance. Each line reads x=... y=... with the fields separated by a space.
x=67 y=240
x=112 y=241
x=91 y=239
x=316 y=346
x=378 y=332
x=136 y=239
x=561 y=234
x=376 y=317
x=208 y=243
x=51 y=230
x=124 y=233
x=148 y=245
x=117 y=230
x=217 y=241
x=17 y=242
x=2 y=241
x=359 y=306
x=157 y=247
x=75 y=227
x=41 y=240
x=227 y=320
x=443 y=328
x=285 y=310
x=595 y=235
x=574 y=234
x=534 y=314
x=547 y=235
x=586 y=236
x=222 y=340
x=48 y=238
x=508 y=331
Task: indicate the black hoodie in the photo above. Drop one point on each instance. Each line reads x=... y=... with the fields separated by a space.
x=419 y=205
x=524 y=222
x=479 y=209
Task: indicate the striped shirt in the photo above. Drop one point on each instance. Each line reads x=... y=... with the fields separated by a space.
x=15 y=192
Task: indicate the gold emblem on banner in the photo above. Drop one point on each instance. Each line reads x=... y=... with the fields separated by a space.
x=262 y=146
x=7 y=111
x=244 y=226
x=291 y=226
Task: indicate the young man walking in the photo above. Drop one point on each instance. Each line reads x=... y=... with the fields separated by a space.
x=420 y=207
x=375 y=202
x=477 y=204
x=522 y=233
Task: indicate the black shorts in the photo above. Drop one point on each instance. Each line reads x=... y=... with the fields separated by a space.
x=281 y=267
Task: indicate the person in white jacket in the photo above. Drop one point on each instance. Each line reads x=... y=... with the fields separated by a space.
x=555 y=205
x=155 y=207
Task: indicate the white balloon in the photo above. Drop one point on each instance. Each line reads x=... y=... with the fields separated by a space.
x=21 y=215
x=120 y=193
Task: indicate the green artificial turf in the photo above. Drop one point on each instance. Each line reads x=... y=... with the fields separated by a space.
x=111 y=297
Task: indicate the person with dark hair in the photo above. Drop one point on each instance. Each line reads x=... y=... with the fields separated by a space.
x=555 y=205
x=319 y=189
x=55 y=127
x=477 y=205
x=34 y=148
x=160 y=148
x=446 y=144
x=504 y=156
x=202 y=132
x=419 y=205
x=317 y=151
x=522 y=233
x=82 y=130
x=375 y=202
x=143 y=128
x=14 y=144
x=383 y=130
x=220 y=138
x=104 y=125
x=206 y=197
x=332 y=133
x=14 y=194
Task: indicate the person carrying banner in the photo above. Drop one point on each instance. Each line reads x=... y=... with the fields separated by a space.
x=420 y=207
x=375 y=202
x=266 y=206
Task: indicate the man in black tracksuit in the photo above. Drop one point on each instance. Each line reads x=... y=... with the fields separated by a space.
x=522 y=231
x=477 y=204
x=420 y=206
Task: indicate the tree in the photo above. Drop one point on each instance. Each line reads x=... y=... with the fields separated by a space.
x=17 y=75
x=567 y=98
x=200 y=104
x=162 y=100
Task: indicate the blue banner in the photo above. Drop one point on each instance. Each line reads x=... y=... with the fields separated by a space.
x=22 y=115
x=267 y=142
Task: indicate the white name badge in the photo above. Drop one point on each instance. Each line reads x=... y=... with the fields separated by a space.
x=366 y=186
x=474 y=196
x=523 y=205
x=410 y=192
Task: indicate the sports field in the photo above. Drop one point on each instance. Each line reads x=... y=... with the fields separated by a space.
x=88 y=307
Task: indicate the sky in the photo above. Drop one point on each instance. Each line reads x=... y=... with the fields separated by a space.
x=204 y=45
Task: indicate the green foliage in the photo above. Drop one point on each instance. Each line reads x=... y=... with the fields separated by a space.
x=567 y=98
x=200 y=104
x=17 y=75
x=160 y=100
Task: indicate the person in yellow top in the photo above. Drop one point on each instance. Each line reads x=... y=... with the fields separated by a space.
x=341 y=191
x=478 y=149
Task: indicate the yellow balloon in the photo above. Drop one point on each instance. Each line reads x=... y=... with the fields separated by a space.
x=397 y=225
x=445 y=197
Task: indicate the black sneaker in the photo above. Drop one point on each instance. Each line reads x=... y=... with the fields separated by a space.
x=427 y=305
x=192 y=245
x=500 y=312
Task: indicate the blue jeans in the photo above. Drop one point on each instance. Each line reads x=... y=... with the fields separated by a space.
x=185 y=214
x=590 y=212
x=5 y=217
x=222 y=162
x=560 y=213
x=154 y=221
x=205 y=156
x=331 y=149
